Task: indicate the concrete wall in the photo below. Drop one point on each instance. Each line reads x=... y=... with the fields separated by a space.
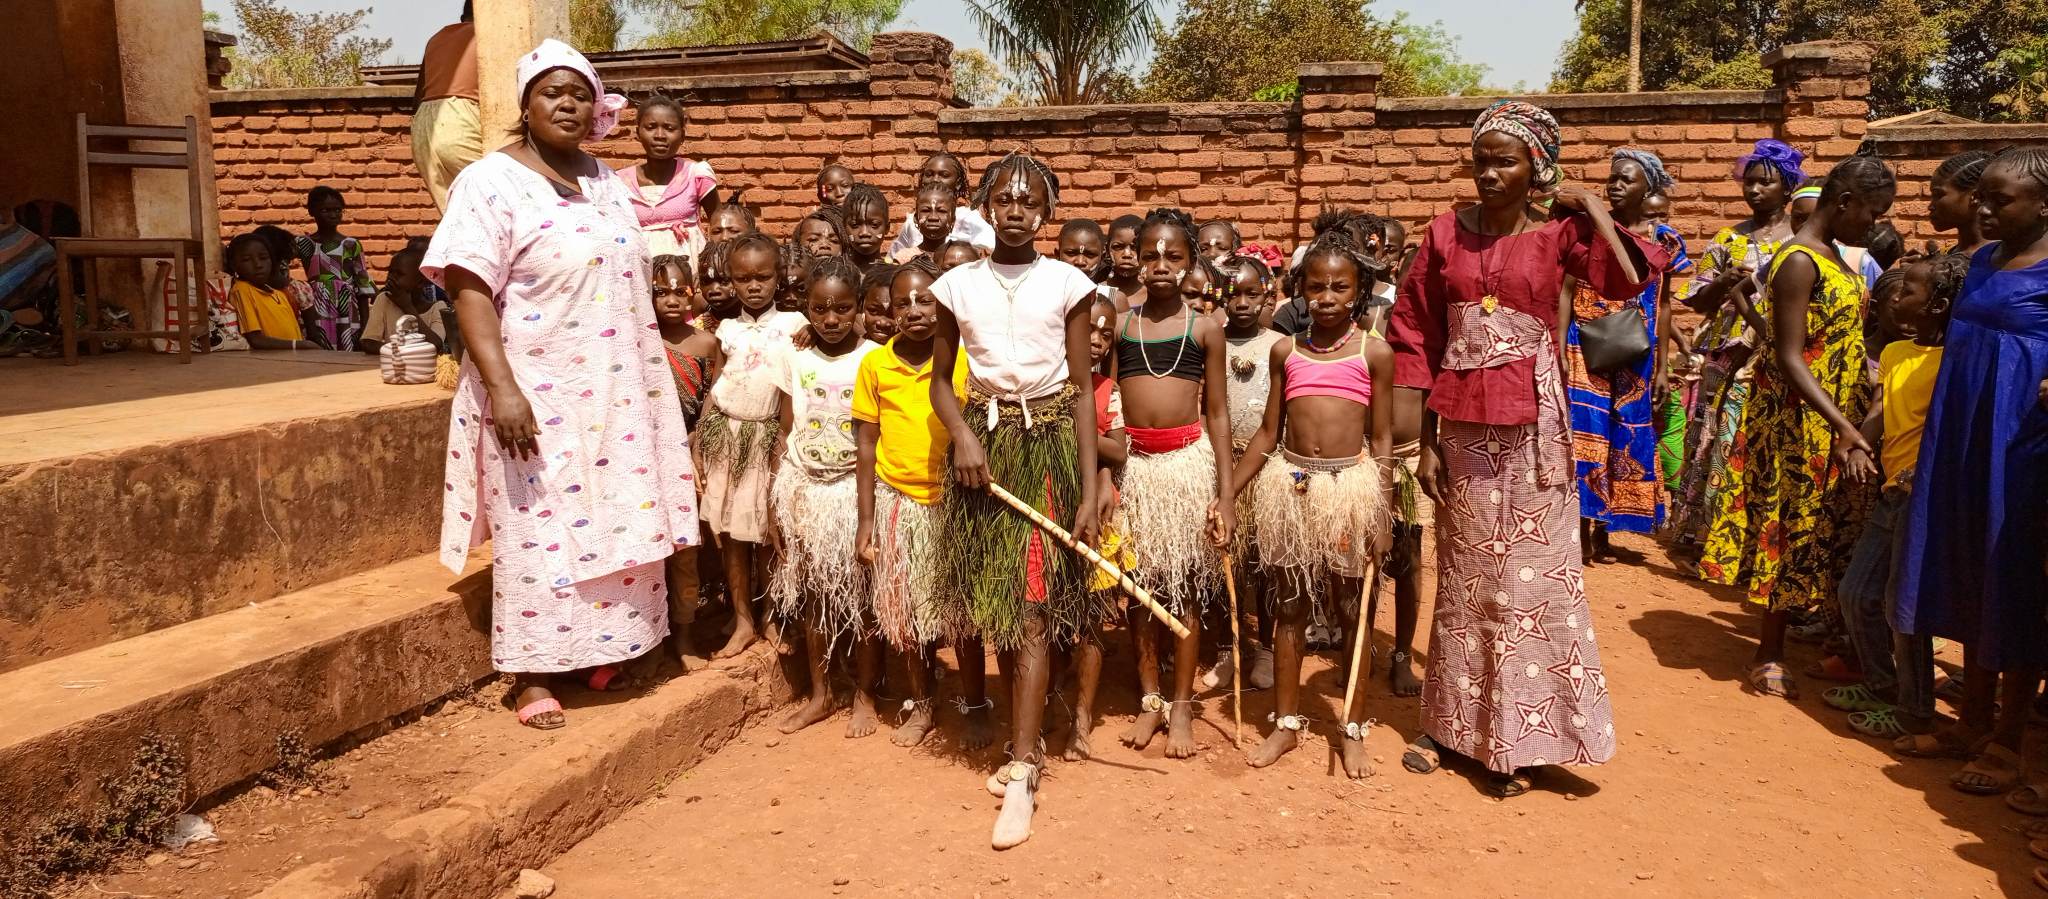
x=1267 y=166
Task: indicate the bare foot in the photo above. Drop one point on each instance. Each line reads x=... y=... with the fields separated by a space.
x=913 y=729
x=743 y=636
x=1280 y=743
x=1140 y=734
x=1078 y=749
x=1013 y=824
x=864 y=720
x=817 y=709
x=1180 y=731
x=1357 y=762
x=1401 y=675
x=782 y=647
x=981 y=729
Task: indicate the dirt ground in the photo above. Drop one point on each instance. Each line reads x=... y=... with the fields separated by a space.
x=1714 y=791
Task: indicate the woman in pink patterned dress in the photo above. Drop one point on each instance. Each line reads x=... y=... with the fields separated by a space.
x=1514 y=679
x=565 y=448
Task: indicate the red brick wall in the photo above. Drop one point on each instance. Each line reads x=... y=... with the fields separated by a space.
x=1267 y=166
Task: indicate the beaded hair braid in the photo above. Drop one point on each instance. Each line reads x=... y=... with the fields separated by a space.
x=1011 y=164
x=1342 y=244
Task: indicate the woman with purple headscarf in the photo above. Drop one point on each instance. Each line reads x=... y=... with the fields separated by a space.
x=1514 y=678
x=1722 y=284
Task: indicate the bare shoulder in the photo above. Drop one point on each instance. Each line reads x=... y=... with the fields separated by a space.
x=1281 y=348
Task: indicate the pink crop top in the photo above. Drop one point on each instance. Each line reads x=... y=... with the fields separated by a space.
x=1344 y=378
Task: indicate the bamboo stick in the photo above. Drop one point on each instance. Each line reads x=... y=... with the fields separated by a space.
x=1369 y=584
x=1236 y=664
x=1088 y=552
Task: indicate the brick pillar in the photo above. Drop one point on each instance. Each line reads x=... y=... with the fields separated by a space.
x=910 y=77
x=1334 y=153
x=1827 y=88
x=217 y=65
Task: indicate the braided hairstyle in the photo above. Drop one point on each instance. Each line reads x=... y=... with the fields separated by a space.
x=877 y=276
x=920 y=263
x=1176 y=219
x=1947 y=275
x=832 y=216
x=1855 y=176
x=1012 y=165
x=1341 y=243
x=788 y=288
x=1236 y=264
x=746 y=213
x=833 y=268
x=1963 y=170
x=659 y=100
x=752 y=240
x=864 y=195
x=2031 y=162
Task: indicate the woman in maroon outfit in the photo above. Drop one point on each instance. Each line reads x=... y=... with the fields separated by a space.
x=1514 y=677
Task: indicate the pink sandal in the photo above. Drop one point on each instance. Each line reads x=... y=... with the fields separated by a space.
x=540 y=707
x=602 y=676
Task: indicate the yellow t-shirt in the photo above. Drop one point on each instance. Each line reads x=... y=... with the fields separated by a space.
x=1907 y=370
x=910 y=454
x=266 y=309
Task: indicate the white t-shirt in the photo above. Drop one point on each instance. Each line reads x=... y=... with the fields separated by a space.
x=820 y=389
x=754 y=362
x=1016 y=345
x=968 y=225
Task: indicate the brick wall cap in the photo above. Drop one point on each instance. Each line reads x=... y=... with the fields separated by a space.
x=220 y=38
x=286 y=94
x=1342 y=69
x=1817 y=50
x=676 y=86
x=1587 y=101
x=998 y=114
x=2015 y=133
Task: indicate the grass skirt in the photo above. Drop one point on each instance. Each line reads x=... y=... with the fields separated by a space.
x=1317 y=518
x=994 y=565
x=1164 y=513
x=817 y=580
x=735 y=455
x=906 y=533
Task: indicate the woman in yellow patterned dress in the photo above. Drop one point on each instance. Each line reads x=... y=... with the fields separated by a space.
x=1784 y=525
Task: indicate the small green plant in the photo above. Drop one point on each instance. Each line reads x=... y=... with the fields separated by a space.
x=136 y=809
x=298 y=765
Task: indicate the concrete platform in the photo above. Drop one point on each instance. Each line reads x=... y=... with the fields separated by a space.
x=142 y=493
x=328 y=661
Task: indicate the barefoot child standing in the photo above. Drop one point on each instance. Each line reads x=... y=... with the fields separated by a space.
x=1322 y=502
x=902 y=458
x=1023 y=320
x=1084 y=655
x=1170 y=369
x=693 y=357
x=818 y=581
x=738 y=427
x=1246 y=289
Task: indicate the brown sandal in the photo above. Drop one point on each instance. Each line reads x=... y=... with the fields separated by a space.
x=1997 y=765
x=1940 y=744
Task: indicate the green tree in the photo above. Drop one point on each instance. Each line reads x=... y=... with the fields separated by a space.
x=1067 y=52
x=281 y=48
x=981 y=81
x=1951 y=54
x=594 y=25
x=691 y=23
x=1253 y=50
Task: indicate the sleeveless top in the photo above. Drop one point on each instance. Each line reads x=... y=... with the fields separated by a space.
x=1345 y=378
x=1250 y=382
x=1179 y=357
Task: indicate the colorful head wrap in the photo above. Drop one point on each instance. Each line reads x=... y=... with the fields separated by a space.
x=553 y=54
x=1535 y=127
x=1807 y=191
x=1778 y=155
x=1653 y=168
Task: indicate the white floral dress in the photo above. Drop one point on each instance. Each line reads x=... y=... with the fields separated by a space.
x=579 y=534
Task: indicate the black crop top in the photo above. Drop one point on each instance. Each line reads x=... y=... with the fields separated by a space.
x=1176 y=357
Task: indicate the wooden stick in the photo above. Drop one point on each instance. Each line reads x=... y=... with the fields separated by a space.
x=1236 y=665
x=1370 y=584
x=1088 y=552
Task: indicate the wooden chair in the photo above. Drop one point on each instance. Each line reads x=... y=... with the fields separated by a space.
x=183 y=252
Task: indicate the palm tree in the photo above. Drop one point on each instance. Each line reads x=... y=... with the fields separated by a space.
x=1066 y=52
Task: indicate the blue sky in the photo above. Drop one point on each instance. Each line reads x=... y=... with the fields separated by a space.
x=1518 y=41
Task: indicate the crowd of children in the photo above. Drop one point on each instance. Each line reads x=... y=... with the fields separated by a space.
x=884 y=427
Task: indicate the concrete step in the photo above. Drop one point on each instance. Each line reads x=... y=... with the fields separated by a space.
x=142 y=494
x=326 y=661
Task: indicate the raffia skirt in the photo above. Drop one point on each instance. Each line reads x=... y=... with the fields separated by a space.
x=906 y=537
x=817 y=580
x=1164 y=516
x=995 y=569
x=1317 y=518
x=736 y=453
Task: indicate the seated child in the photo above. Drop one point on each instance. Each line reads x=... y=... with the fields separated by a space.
x=405 y=293
x=268 y=320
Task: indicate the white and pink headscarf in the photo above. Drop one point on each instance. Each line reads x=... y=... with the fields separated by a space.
x=553 y=54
